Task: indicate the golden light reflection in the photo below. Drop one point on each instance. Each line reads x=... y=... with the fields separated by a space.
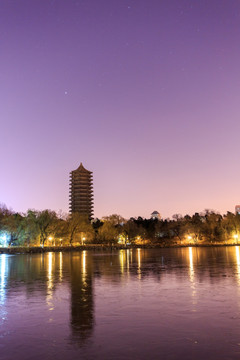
x=84 y=266
x=60 y=265
x=50 y=259
x=191 y=269
x=238 y=263
x=191 y=276
x=128 y=258
x=50 y=281
x=84 y=261
x=121 y=259
x=139 y=262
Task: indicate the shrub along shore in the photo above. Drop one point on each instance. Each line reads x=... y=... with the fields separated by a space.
x=98 y=247
x=47 y=229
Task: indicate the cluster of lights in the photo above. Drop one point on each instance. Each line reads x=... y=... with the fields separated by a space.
x=3 y=239
x=122 y=239
x=235 y=236
x=50 y=238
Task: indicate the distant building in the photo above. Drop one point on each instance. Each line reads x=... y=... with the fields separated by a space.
x=237 y=209
x=81 y=191
x=155 y=215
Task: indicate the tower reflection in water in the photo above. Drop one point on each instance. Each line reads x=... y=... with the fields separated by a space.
x=82 y=304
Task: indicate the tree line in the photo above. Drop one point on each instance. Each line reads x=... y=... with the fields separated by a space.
x=47 y=227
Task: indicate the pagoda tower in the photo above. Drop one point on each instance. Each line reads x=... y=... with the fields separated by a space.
x=81 y=191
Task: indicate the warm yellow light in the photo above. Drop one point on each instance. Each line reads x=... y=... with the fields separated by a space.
x=84 y=238
x=189 y=237
x=235 y=236
x=50 y=238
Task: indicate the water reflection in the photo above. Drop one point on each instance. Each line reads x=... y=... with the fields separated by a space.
x=50 y=269
x=208 y=264
x=49 y=296
x=139 y=262
x=124 y=261
x=191 y=269
x=191 y=274
x=128 y=261
x=60 y=266
x=3 y=284
x=156 y=281
x=238 y=263
x=3 y=274
x=84 y=262
x=121 y=259
x=82 y=302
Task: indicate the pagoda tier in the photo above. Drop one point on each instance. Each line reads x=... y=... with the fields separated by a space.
x=81 y=191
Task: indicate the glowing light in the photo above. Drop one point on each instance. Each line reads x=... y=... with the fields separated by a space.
x=84 y=261
x=138 y=240
x=139 y=262
x=84 y=267
x=235 y=236
x=121 y=258
x=191 y=275
x=50 y=282
x=4 y=240
x=60 y=265
x=50 y=255
x=238 y=263
x=189 y=237
x=191 y=269
x=128 y=254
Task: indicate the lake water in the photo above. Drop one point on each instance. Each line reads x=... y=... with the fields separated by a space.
x=128 y=304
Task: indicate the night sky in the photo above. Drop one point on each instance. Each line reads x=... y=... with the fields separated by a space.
x=145 y=93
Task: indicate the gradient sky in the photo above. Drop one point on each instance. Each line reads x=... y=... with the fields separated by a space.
x=146 y=93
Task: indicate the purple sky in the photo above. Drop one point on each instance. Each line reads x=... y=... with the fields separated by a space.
x=145 y=93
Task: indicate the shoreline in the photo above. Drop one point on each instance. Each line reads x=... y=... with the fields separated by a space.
x=100 y=247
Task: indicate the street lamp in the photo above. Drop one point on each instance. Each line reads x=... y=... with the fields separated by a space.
x=189 y=238
x=50 y=238
x=236 y=237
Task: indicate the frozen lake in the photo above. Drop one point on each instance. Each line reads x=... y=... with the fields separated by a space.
x=128 y=304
